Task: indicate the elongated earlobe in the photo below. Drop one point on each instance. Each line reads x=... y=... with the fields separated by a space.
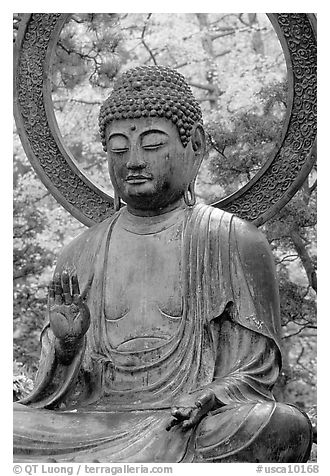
x=116 y=202
x=189 y=195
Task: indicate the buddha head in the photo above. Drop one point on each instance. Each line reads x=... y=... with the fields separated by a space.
x=151 y=128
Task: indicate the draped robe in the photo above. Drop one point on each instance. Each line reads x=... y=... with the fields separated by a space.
x=228 y=341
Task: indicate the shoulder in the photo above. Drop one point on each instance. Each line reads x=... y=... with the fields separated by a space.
x=87 y=236
x=214 y=216
x=252 y=247
x=221 y=221
x=247 y=234
x=86 y=243
x=243 y=236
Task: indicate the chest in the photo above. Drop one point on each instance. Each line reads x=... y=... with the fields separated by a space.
x=144 y=272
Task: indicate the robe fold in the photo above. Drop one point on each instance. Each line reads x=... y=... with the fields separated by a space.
x=228 y=341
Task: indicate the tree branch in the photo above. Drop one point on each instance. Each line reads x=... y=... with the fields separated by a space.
x=215 y=36
x=305 y=258
x=289 y=258
x=222 y=53
x=313 y=187
x=80 y=101
x=143 y=40
x=307 y=326
x=207 y=87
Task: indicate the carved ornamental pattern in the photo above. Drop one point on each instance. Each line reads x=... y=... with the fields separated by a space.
x=54 y=168
x=293 y=161
x=258 y=201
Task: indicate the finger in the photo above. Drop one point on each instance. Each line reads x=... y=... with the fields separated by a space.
x=66 y=287
x=75 y=289
x=185 y=412
x=181 y=413
x=205 y=400
x=66 y=282
x=51 y=293
x=172 y=423
x=58 y=289
x=176 y=412
x=193 y=420
x=202 y=400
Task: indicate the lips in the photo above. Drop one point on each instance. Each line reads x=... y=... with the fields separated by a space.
x=135 y=179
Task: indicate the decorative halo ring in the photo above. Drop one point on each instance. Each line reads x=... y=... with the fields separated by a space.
x=259 y=200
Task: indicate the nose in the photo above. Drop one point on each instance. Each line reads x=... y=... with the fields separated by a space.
x=136 y=160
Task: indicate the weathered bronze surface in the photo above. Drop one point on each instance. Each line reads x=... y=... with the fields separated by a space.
x=162 y=342
x=269 y=190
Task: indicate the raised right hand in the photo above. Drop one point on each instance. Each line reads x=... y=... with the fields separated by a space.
x=69 y=315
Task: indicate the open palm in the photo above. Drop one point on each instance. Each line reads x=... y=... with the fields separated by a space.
x=69 y=316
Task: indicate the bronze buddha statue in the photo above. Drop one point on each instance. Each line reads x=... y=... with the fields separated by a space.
x=162 y=341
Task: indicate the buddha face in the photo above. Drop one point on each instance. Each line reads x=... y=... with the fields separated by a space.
x=149 y=167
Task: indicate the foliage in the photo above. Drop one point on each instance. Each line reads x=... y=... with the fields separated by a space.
x=235 y=67
x=22 y=385
x=241 y=148
x=41 y=227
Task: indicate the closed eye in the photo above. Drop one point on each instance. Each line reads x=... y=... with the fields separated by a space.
x=119 y=151
x=153 y=139
x=118 y=143
x=152 y=146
